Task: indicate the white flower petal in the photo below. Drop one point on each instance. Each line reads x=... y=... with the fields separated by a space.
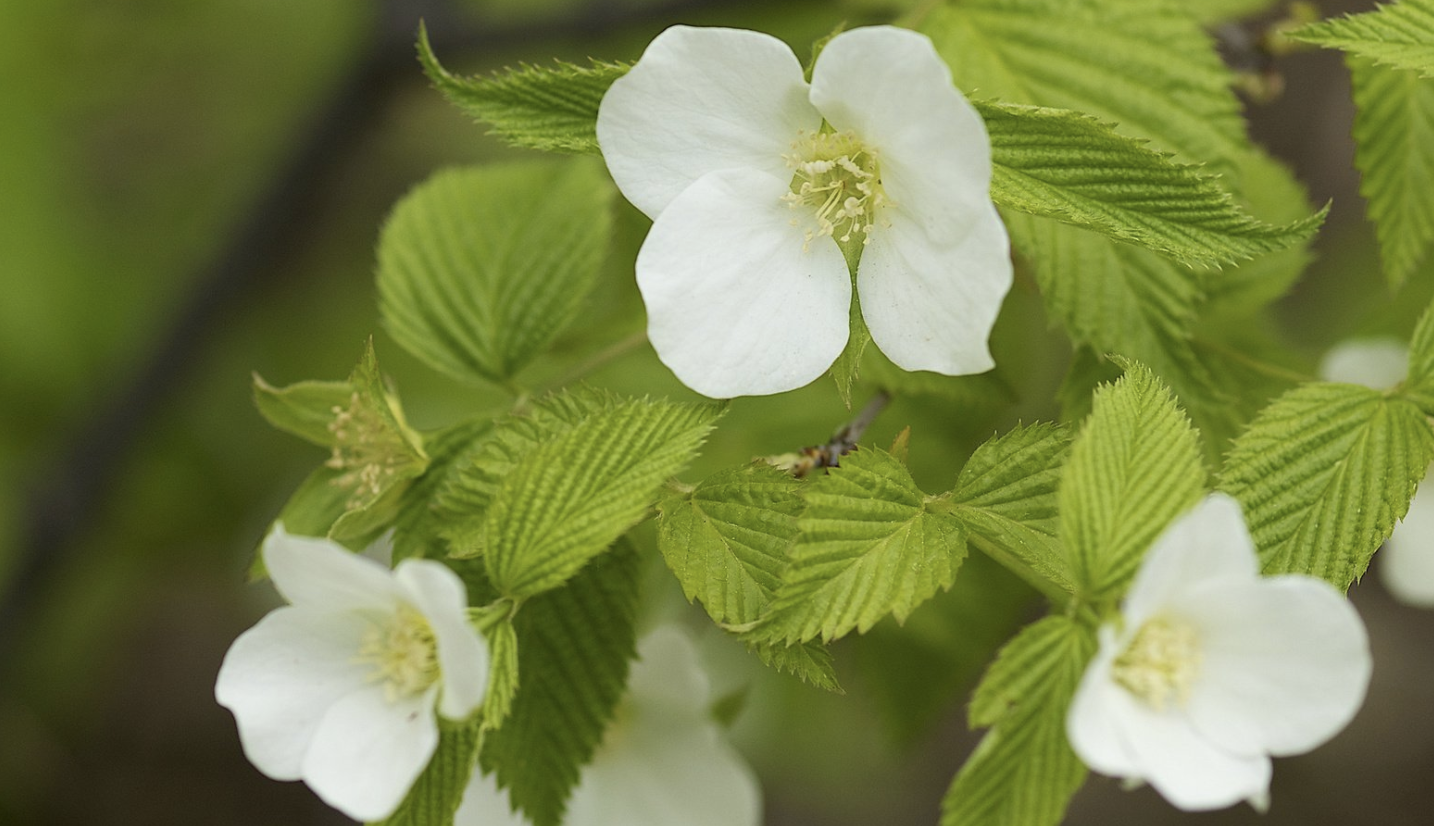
x=932 y=307
x=367 y=752
x=1406 y=565
x=440 y=596
x=1093 y=722
x=669 y=674
x=700 y=100
x=1188 y=770
x=1285 y=664
x=1210 y=542
x=322 y=574
x=892 y=89
x=735 y=306
x=1376 y=363
x=484 y=804
x=281 y=676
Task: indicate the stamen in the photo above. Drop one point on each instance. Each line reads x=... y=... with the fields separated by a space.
x=839 y=179
x=365 y=448
x=403 y=653
x=1160 y=664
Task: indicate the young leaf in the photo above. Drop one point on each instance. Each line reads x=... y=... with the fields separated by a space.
x=553 y=109
x=1394 y=150
x=1006 y=498
x=727 y=540
x=435 y=796
x=1323 y=475
x=417 y=528
x=574 y=646
x=1134 y=467
x=1419 y=386
x=809 y=662
x=870 y=545
x=503 y=674
x=571 y=497
x=1400 y=35
x=1024 y=771
x=1064 y=165
x=480 y=268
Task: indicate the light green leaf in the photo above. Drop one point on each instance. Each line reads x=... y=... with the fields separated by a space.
x=480 y=268
x=848 y=365
x=1400 y=35
x=1006 y=498
x=870 y=545
x=553 y=109
x=1324 y=473
x=574 y=646
x=1419 y=387
x=727 y=540
x=435 y=796
x=1023 y=773
x=571 y=497
x=417 y=530
x=809 y=662
x=1394 y=150
x=503 y=674
x=305 y=409
x=1271 y=192
x=1134 y=467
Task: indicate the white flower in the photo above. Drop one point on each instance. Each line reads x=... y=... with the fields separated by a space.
x=1214 y=669
x=1406 y=565
x=755 y=182
x=663 y=760
x=338 y=688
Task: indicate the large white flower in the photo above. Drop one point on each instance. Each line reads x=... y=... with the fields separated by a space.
x=756 y=181
x=663 y=760
x=1406 y=565
x=338 y=688
x=1213 y=669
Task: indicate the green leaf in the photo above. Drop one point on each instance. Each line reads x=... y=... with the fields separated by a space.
x=1324 y=473
x=570 y=498
x=1023 y=773
x=1419 y=387
x=1272 y=193
x=574 y=646
x=1394 y=150
x=1006 y=498
x=1134 y=467
x=848 y=365
x=305 y=409
x=417 y=530
x=870 y=545
x=1400 y=35
x=480 y=268
x=1145 y=65
x=809 y=662
x=435 y=796
x=726 y=541
x=1064 y=165
x=553 y=109
x=503 y=674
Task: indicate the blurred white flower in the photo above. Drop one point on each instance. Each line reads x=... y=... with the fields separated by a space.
x=662 y=762
x=1214 y=669
x=760 y=185
x=338 y=688
x=1406 y=564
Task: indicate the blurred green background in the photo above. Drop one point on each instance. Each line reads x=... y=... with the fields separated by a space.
x=190 y=190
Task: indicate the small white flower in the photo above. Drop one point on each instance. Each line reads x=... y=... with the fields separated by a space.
x=756 y=181
x=1215 y=669
x=338 y=688
x=1406 y=565
x=663 y=760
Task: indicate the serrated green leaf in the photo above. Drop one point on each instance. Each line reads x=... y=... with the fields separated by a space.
x=1145 y=65
x=1323 y=475
x=1006 y=498
x=304 y=409
x=574 y=646
x=436 y=794
x=553 y=109
x=503 y=674
x=1394 y=150
x=1023 y=773
x=1419 y=386
x=1271 y=193
x=1134 y=467
x=480 y=268
x=727 y=540
x=869 y=546
x=570 y=498
x=1063 y=165
x=418 y=527
x=808 y=661
x=1400 y=35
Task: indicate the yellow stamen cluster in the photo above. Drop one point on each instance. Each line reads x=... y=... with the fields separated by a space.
x=403 y=653
x=1160 y=664
x=366 y=448
x=838 y=178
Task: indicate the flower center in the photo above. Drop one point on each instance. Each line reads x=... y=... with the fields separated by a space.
x=403 y=653
x=1160 y=664
x=837 y=176
x=365 y=448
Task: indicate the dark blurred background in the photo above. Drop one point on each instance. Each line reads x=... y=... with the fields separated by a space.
x=191 y=190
